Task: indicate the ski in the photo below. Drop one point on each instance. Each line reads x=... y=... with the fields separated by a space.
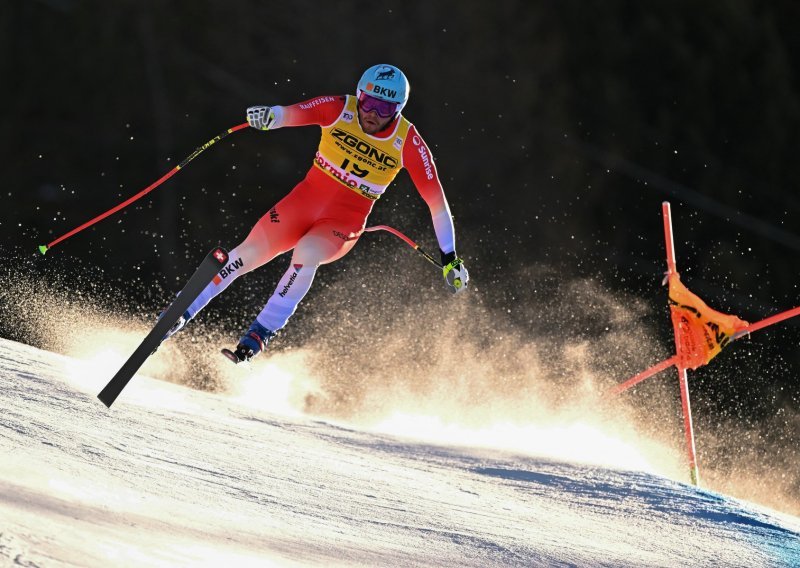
x=231 y=355
x=209 y=268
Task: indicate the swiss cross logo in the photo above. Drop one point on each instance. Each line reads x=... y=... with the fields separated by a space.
x=220 y=255
x=297 y=267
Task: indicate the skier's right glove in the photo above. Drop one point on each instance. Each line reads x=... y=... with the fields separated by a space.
x=260 y=117
x=455 y=273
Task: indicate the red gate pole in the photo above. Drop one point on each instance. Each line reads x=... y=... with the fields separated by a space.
x=686 y=406
x=688 y=427
x=646 y=374
x=766 y=322
x=667 y=215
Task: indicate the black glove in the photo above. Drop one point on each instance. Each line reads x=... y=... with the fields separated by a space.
x=455 y=273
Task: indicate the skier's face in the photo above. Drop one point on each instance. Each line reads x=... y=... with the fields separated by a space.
x=371 y=122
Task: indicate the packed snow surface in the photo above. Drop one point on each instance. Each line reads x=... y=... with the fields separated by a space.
x=171 y=476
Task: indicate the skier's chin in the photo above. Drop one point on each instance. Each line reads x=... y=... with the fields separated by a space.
x=370 y=127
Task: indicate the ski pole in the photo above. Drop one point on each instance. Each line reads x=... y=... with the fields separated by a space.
x=408 y=241
x=44 y=248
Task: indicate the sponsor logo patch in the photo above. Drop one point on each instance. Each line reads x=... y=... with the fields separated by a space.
x=384 y=91
x=385 y=73
x=364 y=148
x=345 y=237
x=227 y=271
x=423 y=153
x=292 y=278
x=316 y=102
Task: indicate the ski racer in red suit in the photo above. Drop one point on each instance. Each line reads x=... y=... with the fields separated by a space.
x=365 y=142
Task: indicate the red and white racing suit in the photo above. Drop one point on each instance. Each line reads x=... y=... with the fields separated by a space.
x=322 y=218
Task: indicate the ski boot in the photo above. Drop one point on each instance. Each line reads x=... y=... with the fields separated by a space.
x=251 y=344
x=179 y=325
x=176 y=327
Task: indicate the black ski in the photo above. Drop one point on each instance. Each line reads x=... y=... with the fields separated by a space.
x=210 y=266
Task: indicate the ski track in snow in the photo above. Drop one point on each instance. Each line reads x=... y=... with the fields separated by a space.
x=175 y=477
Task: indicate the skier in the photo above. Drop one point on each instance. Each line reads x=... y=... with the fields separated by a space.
x=365 y=142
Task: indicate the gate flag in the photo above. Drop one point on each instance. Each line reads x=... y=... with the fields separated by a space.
x=700 y=332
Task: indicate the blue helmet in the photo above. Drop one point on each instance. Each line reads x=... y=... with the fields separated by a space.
x=385 y=82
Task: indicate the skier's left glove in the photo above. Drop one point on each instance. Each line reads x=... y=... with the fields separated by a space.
x=455 y=273
x=260 y=117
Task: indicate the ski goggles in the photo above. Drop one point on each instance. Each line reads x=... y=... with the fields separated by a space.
x=385 y=109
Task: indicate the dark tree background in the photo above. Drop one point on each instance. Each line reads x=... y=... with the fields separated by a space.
x=558 y=129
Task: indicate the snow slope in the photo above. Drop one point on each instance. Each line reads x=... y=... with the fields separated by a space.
x=175 y=477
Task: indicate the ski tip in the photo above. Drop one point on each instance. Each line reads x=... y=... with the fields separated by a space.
x=43 y=249
x=230 y=355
